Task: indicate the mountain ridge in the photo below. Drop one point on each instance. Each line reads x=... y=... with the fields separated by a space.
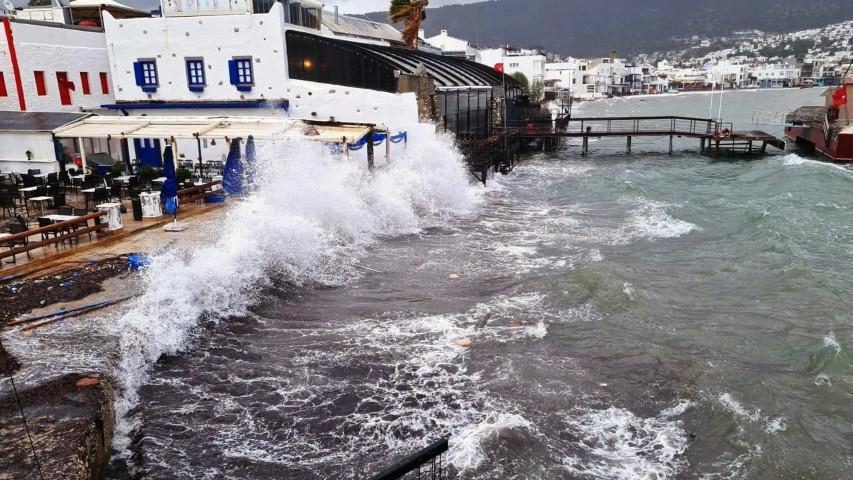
x=585 y=29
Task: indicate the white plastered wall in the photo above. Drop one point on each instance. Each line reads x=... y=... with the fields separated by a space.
x=216 y=39
x=52 y=49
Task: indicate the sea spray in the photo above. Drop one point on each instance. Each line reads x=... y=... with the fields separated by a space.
x=310 y=213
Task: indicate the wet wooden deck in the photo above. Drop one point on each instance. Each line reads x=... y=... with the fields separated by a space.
x=100 y=245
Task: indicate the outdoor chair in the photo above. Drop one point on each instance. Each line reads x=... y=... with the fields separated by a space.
x=65 y=210
x=82 y=212
x=46 y=222
x=115 y=191
x=33 y=171
x=58 y=200
x=53 y=178
x=21 y=242
x=102 y=195
x=29 y=180
x=7 y=203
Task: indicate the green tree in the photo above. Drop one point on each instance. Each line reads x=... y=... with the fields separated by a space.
x=410 y=13
x=522 y=80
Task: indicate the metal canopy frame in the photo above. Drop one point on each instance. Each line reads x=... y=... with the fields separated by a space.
x=261 y=128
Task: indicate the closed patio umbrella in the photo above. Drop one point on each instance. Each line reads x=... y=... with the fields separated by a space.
x=251 y=164
x=169 y=192
x=232 y=176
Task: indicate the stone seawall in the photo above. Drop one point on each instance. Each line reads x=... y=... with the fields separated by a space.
x=71 y=420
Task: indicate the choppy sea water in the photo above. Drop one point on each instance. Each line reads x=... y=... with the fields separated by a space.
x=642 y=316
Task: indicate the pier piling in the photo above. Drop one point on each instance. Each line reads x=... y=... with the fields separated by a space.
x=370 y=156
x=629 y=144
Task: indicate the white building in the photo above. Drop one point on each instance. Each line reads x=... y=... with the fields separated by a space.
x=529 y=62
x=52 y=67
x=27 y=142
x=452 y=46
x=732 y=75
x=776 y=75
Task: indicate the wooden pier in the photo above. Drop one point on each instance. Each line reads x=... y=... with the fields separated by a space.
x=501 y=151
x=716 y=138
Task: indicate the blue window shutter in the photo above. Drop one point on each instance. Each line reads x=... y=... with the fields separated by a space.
x=232 y=70
x=137 y=70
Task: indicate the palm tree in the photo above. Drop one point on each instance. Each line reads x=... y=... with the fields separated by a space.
x=411 y=13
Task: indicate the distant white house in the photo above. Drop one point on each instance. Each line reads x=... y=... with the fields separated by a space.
x=529 y=62
x=776 y=75
x=451 y=46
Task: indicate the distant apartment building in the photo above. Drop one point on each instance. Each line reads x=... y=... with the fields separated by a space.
x=529 y=62
x=451 y=46
x=776 y=75
x=729 y=74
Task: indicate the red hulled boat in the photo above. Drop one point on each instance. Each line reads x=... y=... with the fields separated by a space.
x=827 y=129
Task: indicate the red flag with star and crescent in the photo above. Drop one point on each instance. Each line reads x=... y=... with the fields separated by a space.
x=839 y=97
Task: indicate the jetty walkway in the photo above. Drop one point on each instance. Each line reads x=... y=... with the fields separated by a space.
x=715 y=136
x=500 y=151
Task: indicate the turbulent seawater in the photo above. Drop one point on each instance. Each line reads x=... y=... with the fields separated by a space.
x=642 y=316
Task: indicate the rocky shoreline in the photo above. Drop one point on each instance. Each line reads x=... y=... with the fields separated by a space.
x=71 y=421
x=70 y=417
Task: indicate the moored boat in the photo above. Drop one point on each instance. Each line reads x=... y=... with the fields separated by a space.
x=827 y=129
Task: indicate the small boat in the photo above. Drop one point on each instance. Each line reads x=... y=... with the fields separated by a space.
x=827 y=129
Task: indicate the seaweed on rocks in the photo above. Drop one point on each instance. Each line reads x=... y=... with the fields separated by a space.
x=19 y=297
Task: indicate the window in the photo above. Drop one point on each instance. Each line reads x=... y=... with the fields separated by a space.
x=84 y=83
x=241 y=73
x=105 y=84
x=3 y=91
x=65 y=87
x=195 y=74
x=146 y=75
x=41 y=87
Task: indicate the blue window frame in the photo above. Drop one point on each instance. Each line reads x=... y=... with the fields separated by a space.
x=146 y=75
x=241 y=72
x=195 y=74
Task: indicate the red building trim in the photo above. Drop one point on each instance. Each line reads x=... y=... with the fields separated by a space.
x=84 y=82
x=105 y=84
x=16 y=71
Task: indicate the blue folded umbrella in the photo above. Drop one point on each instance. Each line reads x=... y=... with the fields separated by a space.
x=169 y=192
x=232 y=176
x=251 y=164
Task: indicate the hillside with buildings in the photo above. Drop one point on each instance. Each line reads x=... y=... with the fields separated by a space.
x=572 y=27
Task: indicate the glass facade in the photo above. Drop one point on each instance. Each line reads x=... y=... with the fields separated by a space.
x=318 y=59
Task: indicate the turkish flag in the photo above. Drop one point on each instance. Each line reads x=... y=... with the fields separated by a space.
x=499 y=67
x=839 y=97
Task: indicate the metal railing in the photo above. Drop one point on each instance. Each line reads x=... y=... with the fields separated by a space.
x=197 y=192
x=62 y=231
x=427 y=464
x=663 y=125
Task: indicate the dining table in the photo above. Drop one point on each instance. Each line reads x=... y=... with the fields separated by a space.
x=40 y=201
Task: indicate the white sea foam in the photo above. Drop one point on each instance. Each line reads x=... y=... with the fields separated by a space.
x=829 y=341
x=771 y=425
x=306 y=221
x=466 y=447
x=794 y=160
x=620 y=445
x=651 y=220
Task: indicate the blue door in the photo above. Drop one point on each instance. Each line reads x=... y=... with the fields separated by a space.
x=148 y=152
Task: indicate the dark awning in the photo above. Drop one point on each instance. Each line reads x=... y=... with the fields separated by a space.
x=36 y=121
x=445 y=71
